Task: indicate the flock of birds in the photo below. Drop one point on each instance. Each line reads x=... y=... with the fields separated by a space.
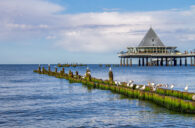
x=142 y=87
x=152 y=85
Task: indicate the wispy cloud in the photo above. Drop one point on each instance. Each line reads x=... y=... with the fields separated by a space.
x=91 y=32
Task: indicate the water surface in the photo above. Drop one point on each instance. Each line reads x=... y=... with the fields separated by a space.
x=28 y=99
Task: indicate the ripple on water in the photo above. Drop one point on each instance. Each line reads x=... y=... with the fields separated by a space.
x=31 y=100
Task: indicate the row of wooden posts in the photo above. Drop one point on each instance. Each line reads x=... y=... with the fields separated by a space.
x=179 y=101
x=147 y=61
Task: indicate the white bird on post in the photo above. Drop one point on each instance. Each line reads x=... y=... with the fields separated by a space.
x=143 y=87
x=116 y=82
x=186 y=88
x=137 y=86
x=172 y=86
x=153 y=84
x=131 y=85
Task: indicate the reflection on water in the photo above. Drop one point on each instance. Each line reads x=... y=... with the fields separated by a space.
x=32 y=100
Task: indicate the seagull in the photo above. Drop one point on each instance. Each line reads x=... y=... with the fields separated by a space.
x=143 y=87
x=152 y=84
x=116 y=82
x=137 y=86
x=154 y=88
x=131 y=81
x=172 y=86
x=48 y=64
x=110 y=69
x=131 y=85
x=186 y=88
x=166 y=85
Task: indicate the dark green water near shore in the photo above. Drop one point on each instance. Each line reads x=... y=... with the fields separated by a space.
x=28 y=99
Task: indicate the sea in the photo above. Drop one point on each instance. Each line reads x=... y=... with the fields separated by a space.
x=31 y=100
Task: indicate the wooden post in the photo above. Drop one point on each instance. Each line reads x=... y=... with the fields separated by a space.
x=121 y=61
x=130 y=64
x=43 y=70
x=186 y=63
x=70 y=74
x=63 y=70
x=49 y=69
x=147 y=61
x=110 y=75
x=166 y=61
x=76 y=73
x=56 y=70
x=39 y=68
x=139 y=62
x=180 y=61
x=175 y=61
x=157 y=64
x=127 y=62
x=191 y=61
x=143 y=63
x=194 y=60
x=161 y=62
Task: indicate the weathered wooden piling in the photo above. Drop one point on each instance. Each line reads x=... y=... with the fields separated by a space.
x=110 y=75
x=39 y=68
x=183 y=102
x=76 y=73
x=49 y=69
x=56 y=70
x=70 y=74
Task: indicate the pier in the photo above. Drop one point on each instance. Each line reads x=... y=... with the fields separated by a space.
x=152 y=52
x=183 y=102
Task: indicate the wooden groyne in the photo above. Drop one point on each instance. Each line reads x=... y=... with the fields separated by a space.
x=71 y=65
x=179 y=101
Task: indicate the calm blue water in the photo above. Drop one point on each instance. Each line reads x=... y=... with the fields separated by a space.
x=32 y=100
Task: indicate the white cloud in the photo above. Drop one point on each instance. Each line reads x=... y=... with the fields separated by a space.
x=91 y=32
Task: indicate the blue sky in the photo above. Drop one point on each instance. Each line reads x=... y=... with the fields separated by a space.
x=89 y=31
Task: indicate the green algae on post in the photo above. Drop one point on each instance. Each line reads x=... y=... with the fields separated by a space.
x=174 y=100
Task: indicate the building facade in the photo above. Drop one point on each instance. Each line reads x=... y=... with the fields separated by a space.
x=152 y=52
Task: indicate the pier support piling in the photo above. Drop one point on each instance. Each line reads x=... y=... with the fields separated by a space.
x=166 y=59
x=157 y=63
x=147 y=61
x=143 y=62
x=194 y=60
x=161 y=62
x=127 y=62
x=186 y=63
x=123 y=61
x=130 y=63
x=175 y=61
x=139 y=62
x=56 y=70
x=191 y=61
x=180 y=61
